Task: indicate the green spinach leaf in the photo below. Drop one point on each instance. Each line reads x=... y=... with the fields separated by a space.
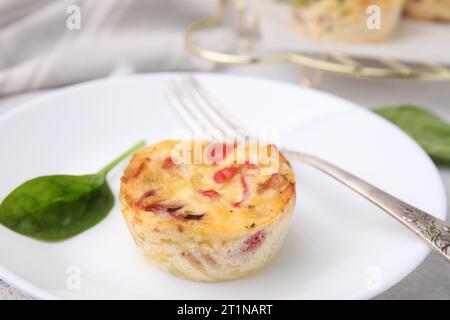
x=429 y=131
x=58 y=207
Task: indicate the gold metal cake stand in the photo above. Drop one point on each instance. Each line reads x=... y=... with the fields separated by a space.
x=311 y=67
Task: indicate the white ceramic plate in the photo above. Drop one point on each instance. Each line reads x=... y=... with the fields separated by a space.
x=338 y=246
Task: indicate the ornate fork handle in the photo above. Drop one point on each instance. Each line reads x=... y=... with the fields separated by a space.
x=433 y=230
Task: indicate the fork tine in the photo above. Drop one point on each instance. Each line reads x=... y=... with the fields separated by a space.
x=205 y=107
x=214 y=110
x=172 y=94
x=201 y=113
x=192 y=106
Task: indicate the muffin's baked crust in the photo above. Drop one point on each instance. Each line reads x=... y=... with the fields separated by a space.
x=191 y=222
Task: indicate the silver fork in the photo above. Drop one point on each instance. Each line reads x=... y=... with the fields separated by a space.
x=203 y=113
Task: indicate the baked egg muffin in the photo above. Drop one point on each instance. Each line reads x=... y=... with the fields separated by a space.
x=437 y=10
x=345 y=20
x=216 y=219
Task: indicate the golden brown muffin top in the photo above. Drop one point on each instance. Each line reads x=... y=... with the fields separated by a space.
x=218 y=188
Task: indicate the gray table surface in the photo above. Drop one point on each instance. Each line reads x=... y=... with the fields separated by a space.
x=431 y=280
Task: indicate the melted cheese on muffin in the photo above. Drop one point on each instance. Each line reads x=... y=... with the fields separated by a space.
x=208 y=220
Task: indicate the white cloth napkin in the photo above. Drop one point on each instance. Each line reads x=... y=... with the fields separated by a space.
x=38 y=50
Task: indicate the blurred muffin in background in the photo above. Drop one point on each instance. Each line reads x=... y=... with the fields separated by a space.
x=345 y=20
x=437 y=10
